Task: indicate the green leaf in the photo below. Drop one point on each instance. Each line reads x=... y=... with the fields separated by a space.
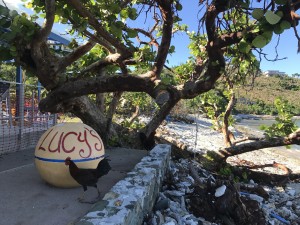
x=263 y=127
x=5 y=23
x=257 y=14
x=43 y=15
x=119 y=24
x=280 y=125
x=280 y=14
x=8 y=36
x=4 y=11
x=278 y=29
x=131 y=33
x=177 y=19
x=268 y=35
x=116 y=31
x=259 y=42
x=13 y=53
x=64 y=21
x=266 y=26
x=13 y=48
x=244 y=47
x=285 y=25
x=280 y=2
x=124 y=13
x=13 y=13
x=56 y=19
x=115 y=8
x=132 y=13
x=178 y=6
x=272 y=18
x=172 y=49
x=5 y=54
x=245 y=4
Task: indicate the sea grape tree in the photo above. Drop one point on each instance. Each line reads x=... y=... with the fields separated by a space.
x=124 y=47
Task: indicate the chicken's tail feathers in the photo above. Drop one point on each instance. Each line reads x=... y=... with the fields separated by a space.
x=103 y=167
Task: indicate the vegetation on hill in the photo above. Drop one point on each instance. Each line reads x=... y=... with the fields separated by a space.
x=259 y=98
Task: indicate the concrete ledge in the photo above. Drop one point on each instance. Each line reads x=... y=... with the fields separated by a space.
x=132 y=198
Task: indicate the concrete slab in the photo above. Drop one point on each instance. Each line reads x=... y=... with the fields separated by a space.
x=25 y=199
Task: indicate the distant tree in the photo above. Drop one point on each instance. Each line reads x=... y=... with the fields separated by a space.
x=117 y=40
x=7 y=72
x=296 y=75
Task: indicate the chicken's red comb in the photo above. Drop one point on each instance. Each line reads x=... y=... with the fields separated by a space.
x=68 y=158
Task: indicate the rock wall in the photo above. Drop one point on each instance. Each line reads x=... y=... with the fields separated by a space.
x=129 y=200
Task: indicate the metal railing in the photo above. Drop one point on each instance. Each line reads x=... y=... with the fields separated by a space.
x=21 y=123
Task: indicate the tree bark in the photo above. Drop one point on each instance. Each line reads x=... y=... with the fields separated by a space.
x=228 y=136
x=134 y=115
x=100 y=102
x=111 y=111
x=90 y=114
x=293 y=138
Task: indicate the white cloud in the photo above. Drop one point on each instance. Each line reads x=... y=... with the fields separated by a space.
x=12 y=4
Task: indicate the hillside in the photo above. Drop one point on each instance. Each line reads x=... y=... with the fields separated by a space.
x=259 y=99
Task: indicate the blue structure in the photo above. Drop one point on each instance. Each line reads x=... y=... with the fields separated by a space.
x=59 y=39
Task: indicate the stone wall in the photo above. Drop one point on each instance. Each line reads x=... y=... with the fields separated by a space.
x=129 y=200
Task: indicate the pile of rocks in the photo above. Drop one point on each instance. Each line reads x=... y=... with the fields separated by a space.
x=280 y=205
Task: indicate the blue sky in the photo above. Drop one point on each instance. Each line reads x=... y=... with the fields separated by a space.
x=287 y=47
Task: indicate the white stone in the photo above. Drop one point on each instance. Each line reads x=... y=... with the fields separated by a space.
x=256 y=197
x=289 y=203
x=251 y=181
x=291 y=192
x=220 y=191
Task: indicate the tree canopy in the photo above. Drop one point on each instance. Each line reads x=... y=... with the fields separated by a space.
x=124 y=46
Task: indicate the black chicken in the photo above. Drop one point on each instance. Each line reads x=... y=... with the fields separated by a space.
x=88 y=177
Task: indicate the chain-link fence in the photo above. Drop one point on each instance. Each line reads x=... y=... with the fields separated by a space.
x=21 y=123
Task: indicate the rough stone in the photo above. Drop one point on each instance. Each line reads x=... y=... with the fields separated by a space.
x=129 y=200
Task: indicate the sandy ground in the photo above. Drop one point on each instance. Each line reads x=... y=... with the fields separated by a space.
x=200 y=137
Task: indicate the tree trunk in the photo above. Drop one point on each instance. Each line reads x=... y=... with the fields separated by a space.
x=134 y=115
x=112 y=109
x=100 y=101
x=91 y=115
x=228 y=136
x=147 y=137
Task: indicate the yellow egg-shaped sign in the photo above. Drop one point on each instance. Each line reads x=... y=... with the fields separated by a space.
x=78 y=141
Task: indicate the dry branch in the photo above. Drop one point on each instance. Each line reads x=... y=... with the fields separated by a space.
x=291 y=139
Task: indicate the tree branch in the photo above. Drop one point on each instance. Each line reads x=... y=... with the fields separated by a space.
x=82 y=11
x=76 y=54
x=228 y=136
x=112 y=109
x=293 y=138
x=147 y=34
x=109 y=60
x=95 y=38
x=45 y=31
x=96 y=85
x=167 y=13
x=229 y=39
x=162 y=113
